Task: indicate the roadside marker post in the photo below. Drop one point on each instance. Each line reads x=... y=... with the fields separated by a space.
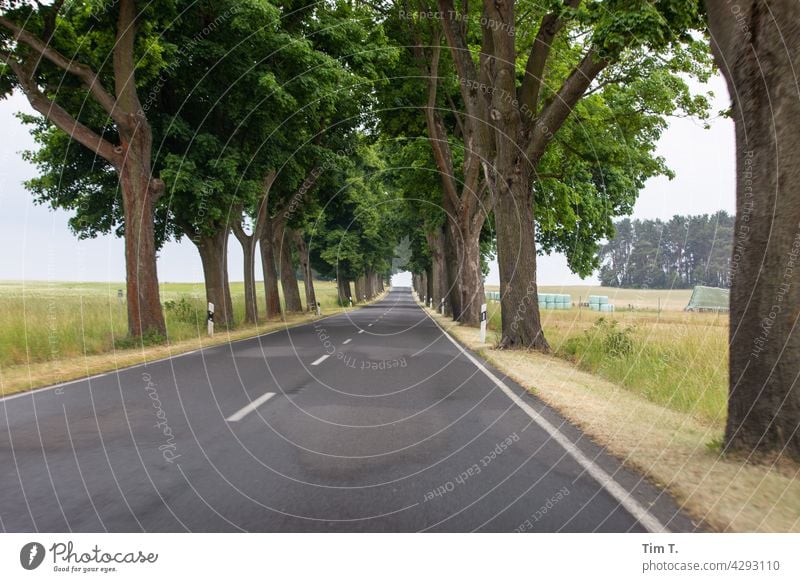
x=483 y=323
x=319 y=309
x=441 y=306
x=210 y=319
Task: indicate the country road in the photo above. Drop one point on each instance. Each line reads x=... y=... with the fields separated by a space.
x=371 y=420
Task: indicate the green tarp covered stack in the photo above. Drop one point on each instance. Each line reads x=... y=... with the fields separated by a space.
x=709 y=299
x=554 y=301
x=600 y=303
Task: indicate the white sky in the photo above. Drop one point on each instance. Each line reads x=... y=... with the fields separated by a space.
x=39 y=246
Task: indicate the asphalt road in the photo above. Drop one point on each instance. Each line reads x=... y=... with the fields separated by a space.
x=397 y=429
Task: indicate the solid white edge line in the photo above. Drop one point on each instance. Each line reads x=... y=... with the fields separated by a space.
x=239 y=415
x=347 y=341
x=319 y=360
x=622 y=495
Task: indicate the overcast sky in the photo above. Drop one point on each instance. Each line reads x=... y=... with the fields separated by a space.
x=39 y=246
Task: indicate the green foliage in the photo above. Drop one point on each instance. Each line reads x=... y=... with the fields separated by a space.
x=148 y=339
x=184 y=310
x=681 y=253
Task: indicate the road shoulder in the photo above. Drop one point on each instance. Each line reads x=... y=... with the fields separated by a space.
x=668 y=447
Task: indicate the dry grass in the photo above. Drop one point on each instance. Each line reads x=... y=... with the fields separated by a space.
x=676 y=359
x=670 y=446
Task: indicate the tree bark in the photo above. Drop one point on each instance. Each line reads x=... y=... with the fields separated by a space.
x=305 y=265
x=453 y=300
x=213 y=254
x=343 y=287
x=291 y=290
x=360 y=288
x=758 y=51
x=271 y=293
x=515 y=228
x=139 y=194
x=369 y=284
x=438 y=277
x=248 y=243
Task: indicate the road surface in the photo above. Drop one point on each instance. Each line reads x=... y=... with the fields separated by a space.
x=371 y=420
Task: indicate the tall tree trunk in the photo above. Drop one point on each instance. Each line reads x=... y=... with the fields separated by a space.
x=429 y=282
x=248 y=242
x=291 y=290
x=270 y=271
x=343 y=287
x=305 y=265
x=438 y=276
x=471 y=279
x=453 y=300
x=213 y=251
x=139 y=194
x=758 y=51
x=369 y=284
x=360 y=288
x=516 y=258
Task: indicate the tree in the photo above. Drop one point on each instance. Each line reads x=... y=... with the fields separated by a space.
x=757 y=48
x=59 y=62
x=578 y=50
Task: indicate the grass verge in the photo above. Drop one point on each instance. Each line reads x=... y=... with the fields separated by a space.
x=674 y=448
x=23 y=377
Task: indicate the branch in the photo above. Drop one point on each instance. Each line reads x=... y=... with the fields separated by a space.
x=89 y=78
x=262 y=214
x=537 y=59
x=556 y=111
x=61 y=118
x=124 y=65
x=239 y=232
x=437 y=133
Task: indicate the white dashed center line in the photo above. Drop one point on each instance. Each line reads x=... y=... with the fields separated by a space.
x=250 y=407
x=319 y=360
x=347 y=341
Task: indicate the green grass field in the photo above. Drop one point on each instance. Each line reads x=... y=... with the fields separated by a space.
x=674 y=358
x=48 y=321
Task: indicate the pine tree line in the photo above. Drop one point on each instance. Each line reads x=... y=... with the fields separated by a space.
x=677 y=254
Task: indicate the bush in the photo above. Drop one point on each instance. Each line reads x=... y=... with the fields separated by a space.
x=181 y=310
x=616 y=341
x=148 y=339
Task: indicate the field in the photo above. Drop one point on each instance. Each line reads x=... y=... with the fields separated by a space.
x=673 y=358
x=647 y=299
x=52 y=321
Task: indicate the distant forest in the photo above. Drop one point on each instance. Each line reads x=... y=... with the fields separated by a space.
x=680 y=253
